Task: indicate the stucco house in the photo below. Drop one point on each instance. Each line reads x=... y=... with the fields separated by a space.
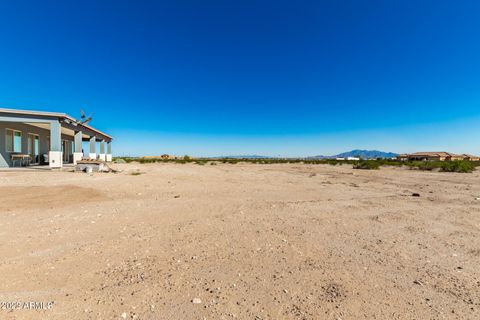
x=38 y=137
x=471 y=157
x=436 y=156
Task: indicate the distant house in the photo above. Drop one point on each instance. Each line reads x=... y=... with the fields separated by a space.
x=436 y=156
x=471 y=157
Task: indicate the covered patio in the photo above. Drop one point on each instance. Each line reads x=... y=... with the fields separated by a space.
x=48 y=138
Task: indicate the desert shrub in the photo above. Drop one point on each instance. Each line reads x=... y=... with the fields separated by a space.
x=366 y=165
x=475 y=163
x=333 y=163
x=458 y=166
x=423 y=165
x=389 y=162
x=444 y=166
x=428 y=165
x=124 y=159
x=147 y=160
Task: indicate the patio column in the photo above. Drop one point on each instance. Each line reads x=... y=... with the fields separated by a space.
x=93 y=148
x=77 y=147
x=109 y=151
x=55 y=155
x=101 y=156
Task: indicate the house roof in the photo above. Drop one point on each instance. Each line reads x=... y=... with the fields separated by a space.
x=60 y=116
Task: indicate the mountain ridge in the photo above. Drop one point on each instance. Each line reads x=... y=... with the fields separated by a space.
x=358 y=153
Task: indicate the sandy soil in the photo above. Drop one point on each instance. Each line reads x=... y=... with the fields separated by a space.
x=244 y=241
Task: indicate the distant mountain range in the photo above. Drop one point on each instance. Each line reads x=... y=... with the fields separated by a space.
x=364 y=154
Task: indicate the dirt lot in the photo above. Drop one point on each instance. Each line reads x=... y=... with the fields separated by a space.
x=240 y=241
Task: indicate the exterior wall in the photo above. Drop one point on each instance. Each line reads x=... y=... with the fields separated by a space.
x=25 y=129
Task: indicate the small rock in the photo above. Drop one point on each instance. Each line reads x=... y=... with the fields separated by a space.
x=176 y=197
x=124 y=315
x=418 y=282
x=196 y=301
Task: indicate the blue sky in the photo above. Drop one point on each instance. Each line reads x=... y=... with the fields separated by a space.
x=289 y=78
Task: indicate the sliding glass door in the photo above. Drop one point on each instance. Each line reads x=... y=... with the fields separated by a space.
x=67 y=148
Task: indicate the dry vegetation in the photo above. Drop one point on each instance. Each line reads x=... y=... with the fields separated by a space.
x=462 y=166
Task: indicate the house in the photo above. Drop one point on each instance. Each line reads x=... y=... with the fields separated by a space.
x=436 y=156
x=37 y=137
x=432 y=156
x=471 y=157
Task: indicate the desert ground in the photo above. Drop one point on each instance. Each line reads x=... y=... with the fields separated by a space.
x=239 y=241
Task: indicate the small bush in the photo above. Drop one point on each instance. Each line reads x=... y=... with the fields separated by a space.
x=366 y=165
x=123 y=159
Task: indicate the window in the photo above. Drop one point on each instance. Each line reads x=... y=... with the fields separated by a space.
x=14 y=140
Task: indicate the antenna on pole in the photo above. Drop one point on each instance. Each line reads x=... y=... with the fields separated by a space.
x=83 y=117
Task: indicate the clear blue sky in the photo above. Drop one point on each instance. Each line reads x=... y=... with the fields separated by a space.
x=289 y=78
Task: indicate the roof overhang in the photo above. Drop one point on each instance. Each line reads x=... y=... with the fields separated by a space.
x=67 y=122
